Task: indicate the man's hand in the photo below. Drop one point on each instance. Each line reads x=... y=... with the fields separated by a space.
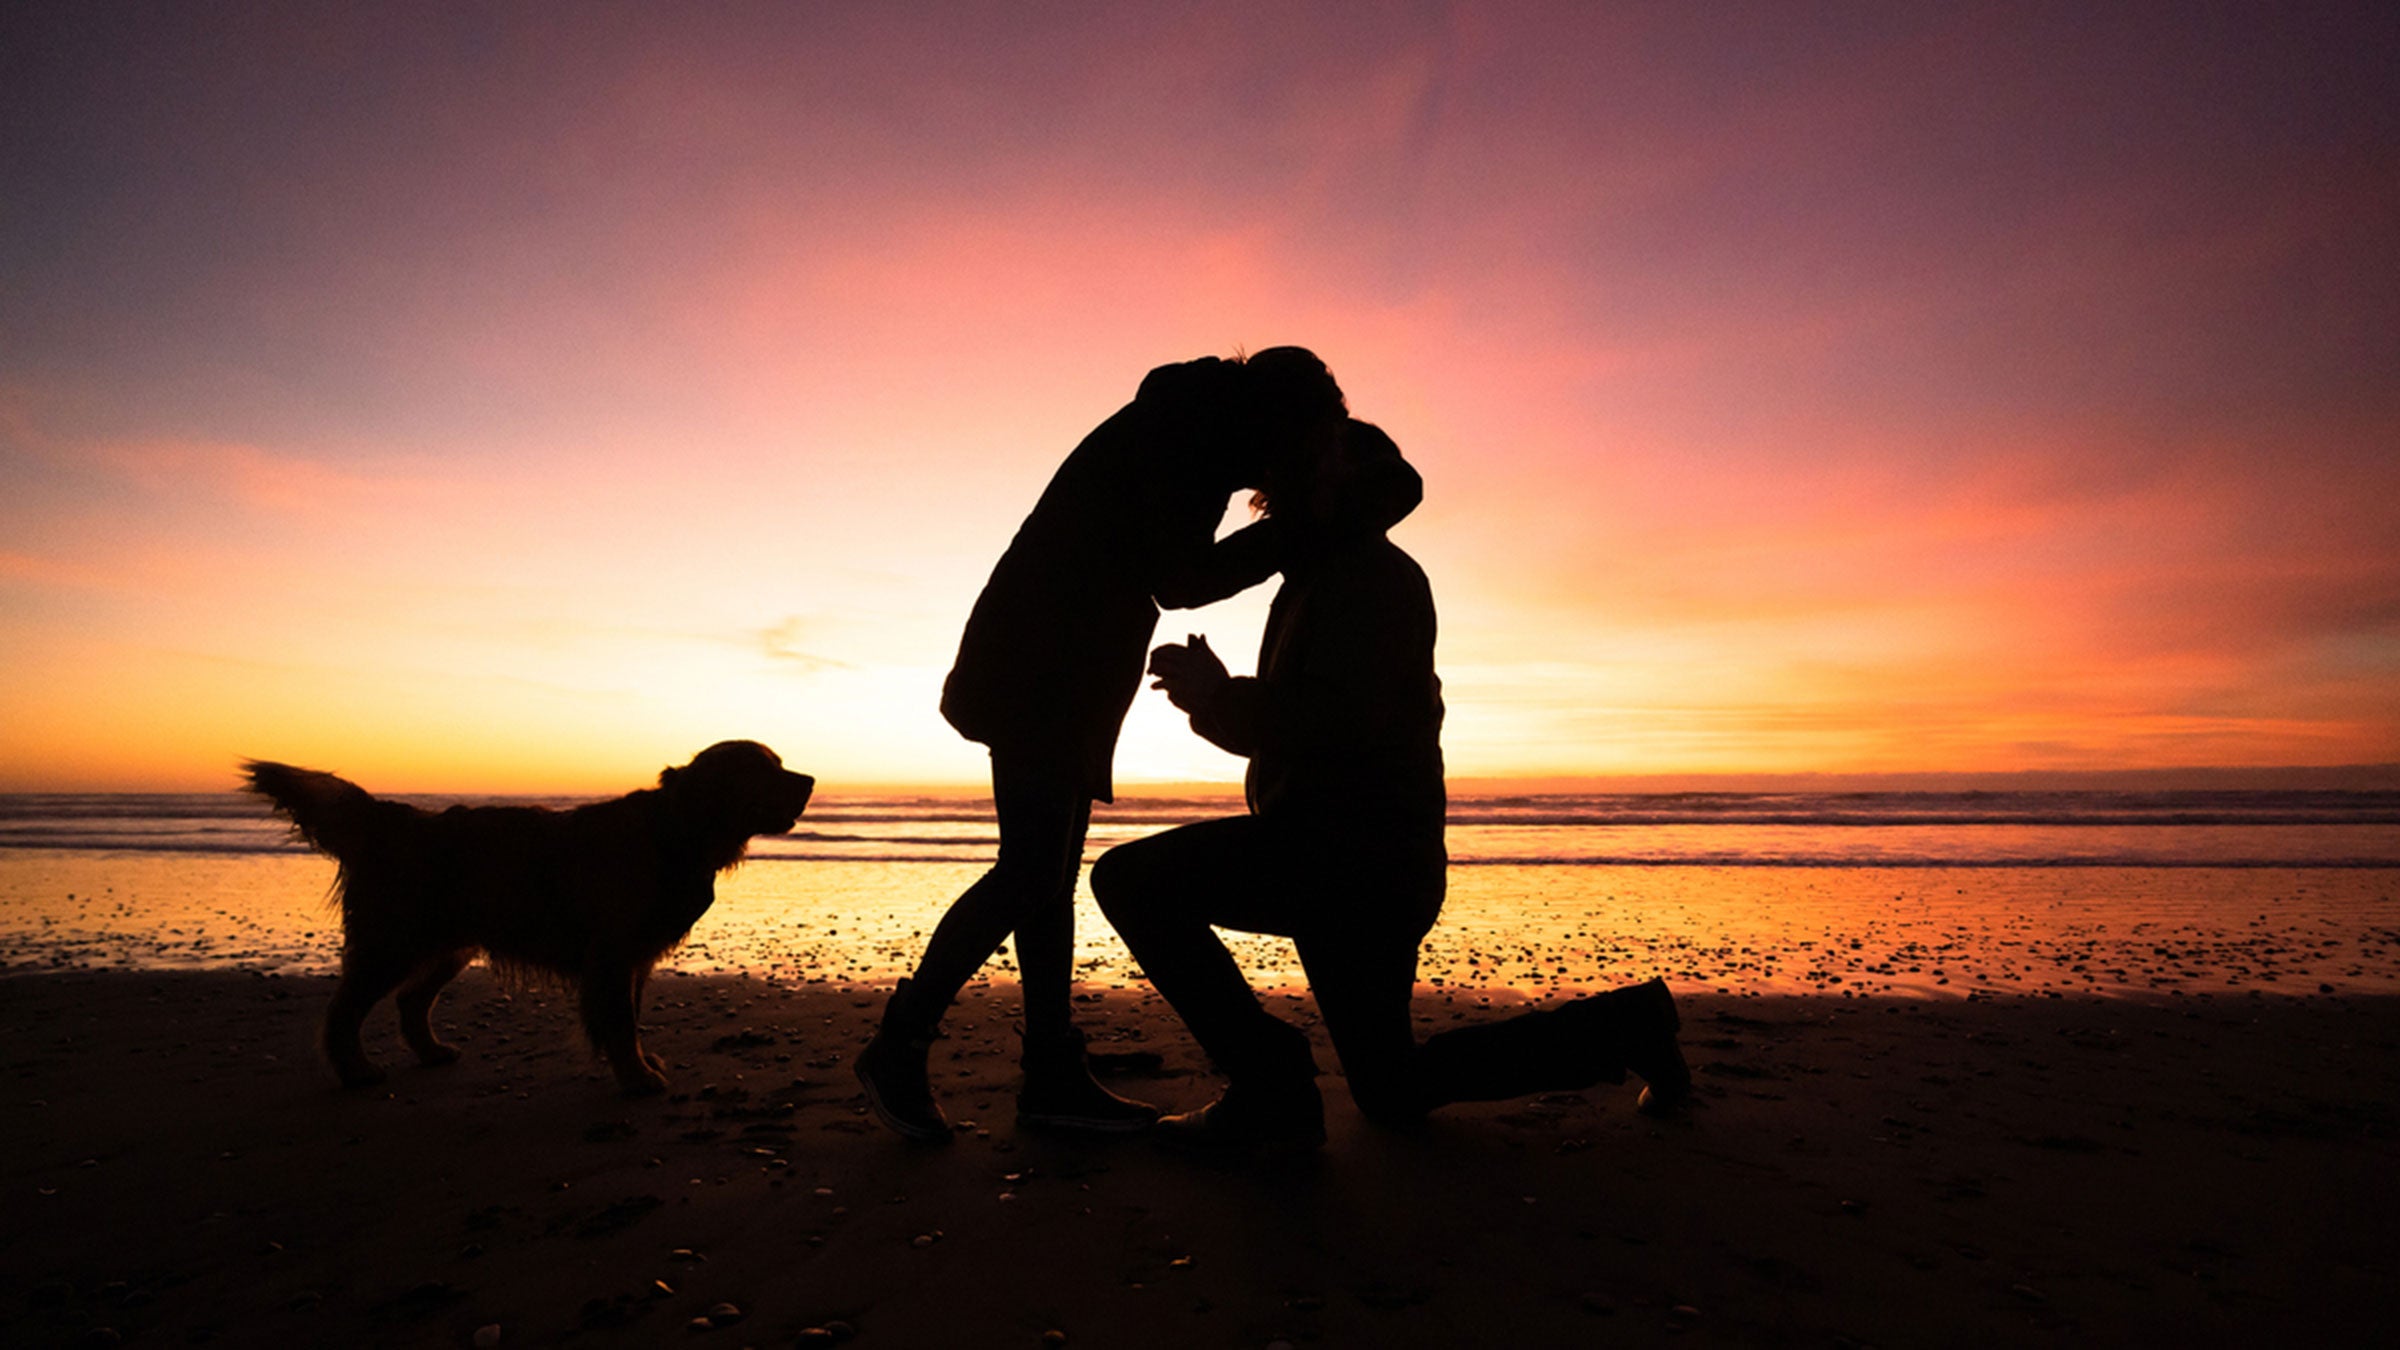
x=1191 y=674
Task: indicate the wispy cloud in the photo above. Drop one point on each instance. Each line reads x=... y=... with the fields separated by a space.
x=781 y=641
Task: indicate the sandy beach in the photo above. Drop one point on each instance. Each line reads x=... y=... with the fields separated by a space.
x=180 y=1169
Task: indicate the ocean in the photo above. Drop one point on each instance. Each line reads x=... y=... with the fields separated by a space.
x=2161 y=893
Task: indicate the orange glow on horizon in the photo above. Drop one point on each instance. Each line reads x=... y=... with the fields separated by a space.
x=1966 y=397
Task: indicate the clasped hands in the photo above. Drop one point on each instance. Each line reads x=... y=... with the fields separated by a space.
x=1190 y=673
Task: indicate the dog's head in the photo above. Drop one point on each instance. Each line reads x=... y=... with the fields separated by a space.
x=735 y=790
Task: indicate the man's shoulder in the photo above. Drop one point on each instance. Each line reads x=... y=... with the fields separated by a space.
x=1376 y=562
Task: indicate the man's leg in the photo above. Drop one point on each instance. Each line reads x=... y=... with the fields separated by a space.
x=1564 y=1049
x=1164 y=893
x=1363 y=970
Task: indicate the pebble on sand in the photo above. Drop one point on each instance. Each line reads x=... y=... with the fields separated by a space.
x=487 y=1336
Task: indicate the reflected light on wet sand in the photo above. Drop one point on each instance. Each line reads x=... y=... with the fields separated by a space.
x=1510 y=931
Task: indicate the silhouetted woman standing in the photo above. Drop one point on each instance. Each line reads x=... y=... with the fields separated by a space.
x=1052 y=657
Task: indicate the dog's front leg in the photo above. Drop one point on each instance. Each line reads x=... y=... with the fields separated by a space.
x=367 y=975
x=641 y=985
x=611 y=1022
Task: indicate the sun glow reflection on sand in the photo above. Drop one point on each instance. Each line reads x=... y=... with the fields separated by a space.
x=1516 y=932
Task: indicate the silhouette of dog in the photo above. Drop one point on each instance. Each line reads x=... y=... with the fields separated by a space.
x=590 y=897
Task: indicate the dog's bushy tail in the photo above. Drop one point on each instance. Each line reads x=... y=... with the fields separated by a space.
x=333 y=815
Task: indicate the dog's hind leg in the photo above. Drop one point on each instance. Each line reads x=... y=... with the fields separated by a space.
x=365 y=980
x=610 y=1020
x=417 y=994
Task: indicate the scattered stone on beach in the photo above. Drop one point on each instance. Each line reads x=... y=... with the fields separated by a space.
x=1992 y=1154
x=487 y=1336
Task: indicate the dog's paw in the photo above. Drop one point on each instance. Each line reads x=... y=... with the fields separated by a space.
x=434 y=1056
x=648 y=1084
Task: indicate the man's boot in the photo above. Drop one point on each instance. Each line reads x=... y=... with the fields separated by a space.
x=1270 y=1104
x=1634 y=1029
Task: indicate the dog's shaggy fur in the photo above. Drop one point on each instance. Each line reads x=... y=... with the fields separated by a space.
x=592 y=897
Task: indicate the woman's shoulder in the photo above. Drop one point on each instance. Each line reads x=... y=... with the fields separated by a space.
x=1186 y=382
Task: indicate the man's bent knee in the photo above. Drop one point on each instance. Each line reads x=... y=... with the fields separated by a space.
x=1118 y=881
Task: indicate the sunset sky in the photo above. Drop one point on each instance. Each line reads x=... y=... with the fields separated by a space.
x=516 y=397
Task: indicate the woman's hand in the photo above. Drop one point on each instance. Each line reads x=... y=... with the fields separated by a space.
x=1191 y=674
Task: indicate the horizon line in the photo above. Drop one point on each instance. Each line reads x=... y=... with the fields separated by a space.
x=2383 y=776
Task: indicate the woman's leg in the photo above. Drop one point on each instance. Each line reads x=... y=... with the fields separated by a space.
x=1042 y=813
x=1041 y=816
x=1046 y=936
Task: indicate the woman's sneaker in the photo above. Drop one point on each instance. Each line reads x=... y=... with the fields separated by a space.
x=1061 y=1094
x=892 y=1070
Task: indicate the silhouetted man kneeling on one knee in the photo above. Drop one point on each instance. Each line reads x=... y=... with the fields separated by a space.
x=1342 y=850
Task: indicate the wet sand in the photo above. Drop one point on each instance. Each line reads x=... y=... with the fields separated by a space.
x=1554 y=931
x=178 y=1168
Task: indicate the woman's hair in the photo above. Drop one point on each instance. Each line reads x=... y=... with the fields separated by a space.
x=1290 y=387
x=1294 y=407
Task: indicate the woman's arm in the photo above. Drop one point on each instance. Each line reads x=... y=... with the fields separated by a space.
x=1224 y=568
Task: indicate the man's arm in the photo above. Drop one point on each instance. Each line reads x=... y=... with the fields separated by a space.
x=1225 y=709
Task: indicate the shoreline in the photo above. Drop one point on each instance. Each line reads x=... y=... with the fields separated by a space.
x=179 y=1168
